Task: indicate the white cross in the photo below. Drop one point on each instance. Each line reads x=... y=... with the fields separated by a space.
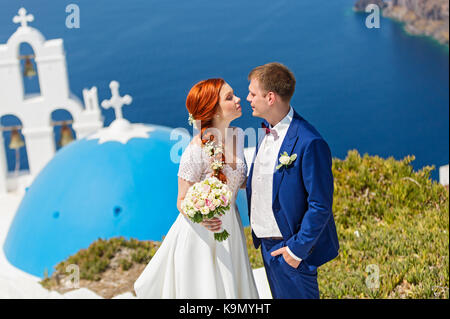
x=116 y=101
x=23 y=18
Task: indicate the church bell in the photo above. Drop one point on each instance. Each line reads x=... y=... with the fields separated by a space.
x=16 y=140
x=66 y=136
x=29 y=68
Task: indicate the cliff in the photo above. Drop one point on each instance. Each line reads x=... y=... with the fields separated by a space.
x=361 y=5
x=421 y=17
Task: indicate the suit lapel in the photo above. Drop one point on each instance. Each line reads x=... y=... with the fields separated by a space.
x=287 y=146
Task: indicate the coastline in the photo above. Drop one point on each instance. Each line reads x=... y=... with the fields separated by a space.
x=411 y=21
x=432 y=40
x=413 y=25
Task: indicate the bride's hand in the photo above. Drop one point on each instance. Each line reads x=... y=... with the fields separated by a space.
x=212 y=224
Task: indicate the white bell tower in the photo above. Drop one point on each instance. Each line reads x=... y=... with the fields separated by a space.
x=34 y=111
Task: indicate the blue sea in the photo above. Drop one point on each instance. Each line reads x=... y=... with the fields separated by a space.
x=380 y=91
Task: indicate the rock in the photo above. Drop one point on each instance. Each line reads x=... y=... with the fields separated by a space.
x=82 y=293
x=126 y=295
x=422 y=17
x=16 y=287
x=361 y=5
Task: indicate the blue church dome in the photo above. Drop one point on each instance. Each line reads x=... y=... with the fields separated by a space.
x=98 y=189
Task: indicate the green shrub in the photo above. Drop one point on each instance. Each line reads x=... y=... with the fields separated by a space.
x=95 y=259
x=389 y=216
x=125 y=264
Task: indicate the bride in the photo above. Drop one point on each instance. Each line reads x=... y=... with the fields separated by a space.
x=190 y=263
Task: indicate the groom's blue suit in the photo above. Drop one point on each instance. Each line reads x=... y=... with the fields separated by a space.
x=302 y=206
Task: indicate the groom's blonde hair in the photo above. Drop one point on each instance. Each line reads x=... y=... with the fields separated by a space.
x=275 y=77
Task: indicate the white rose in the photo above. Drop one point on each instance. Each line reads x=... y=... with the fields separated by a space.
x=284 y=160
x=201 y=203
x=204 y=210
x=191 y=213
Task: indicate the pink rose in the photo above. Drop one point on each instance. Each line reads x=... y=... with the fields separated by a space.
x=224 y=200
x=199 y=204
x=210 y=204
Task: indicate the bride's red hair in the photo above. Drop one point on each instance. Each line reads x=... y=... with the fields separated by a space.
x=203 y=103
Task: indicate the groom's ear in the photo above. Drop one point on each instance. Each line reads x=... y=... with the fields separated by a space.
x=271 y=97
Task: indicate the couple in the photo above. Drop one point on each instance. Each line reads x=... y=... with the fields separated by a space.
x=289 y=199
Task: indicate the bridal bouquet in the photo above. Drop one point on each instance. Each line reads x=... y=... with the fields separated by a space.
x=207 y=199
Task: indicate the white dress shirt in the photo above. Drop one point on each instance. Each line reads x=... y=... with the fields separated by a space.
x=262 y=218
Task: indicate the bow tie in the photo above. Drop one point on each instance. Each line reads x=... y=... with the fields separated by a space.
x=270 y=131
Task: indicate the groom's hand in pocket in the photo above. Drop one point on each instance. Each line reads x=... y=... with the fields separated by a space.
x=287 y=257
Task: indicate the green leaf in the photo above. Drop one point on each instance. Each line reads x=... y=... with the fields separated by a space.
x=221 y=236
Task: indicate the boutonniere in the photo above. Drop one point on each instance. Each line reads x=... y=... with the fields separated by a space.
x=286 y=160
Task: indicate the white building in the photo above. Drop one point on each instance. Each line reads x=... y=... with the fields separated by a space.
x=443 y=175
x=34 y=111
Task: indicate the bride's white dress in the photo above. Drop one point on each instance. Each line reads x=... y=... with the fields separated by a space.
x=189 y=262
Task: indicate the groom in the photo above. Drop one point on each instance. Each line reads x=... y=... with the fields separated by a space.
x=290 y=195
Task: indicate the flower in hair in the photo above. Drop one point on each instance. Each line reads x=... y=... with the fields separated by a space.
x=212 y=149
x=216 y=164
x=191 y=120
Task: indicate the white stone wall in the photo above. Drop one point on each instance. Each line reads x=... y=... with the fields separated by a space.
x=443 y=175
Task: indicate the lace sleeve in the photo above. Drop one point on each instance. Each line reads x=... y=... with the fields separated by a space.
x=192 y=164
